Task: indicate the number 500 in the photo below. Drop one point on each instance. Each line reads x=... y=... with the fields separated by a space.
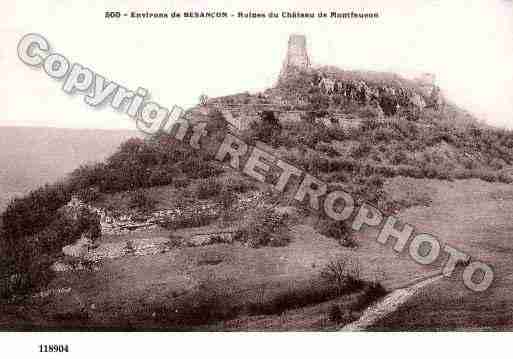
x=109 y=14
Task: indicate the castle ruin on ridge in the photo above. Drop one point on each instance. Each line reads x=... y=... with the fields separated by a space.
x=297 y=56
x=300 y=86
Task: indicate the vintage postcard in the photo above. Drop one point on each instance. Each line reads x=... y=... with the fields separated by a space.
x=295 y=166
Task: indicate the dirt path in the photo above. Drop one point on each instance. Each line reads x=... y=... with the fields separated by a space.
x=388 y=305
x=475 y=217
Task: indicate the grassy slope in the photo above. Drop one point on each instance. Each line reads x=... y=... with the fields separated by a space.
x=473 y=216
x=126 y=291
x=479 y=226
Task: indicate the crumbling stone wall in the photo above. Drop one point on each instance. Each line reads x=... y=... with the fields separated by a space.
x=297 y=56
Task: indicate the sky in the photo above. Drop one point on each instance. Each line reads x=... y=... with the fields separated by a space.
x=467 y=44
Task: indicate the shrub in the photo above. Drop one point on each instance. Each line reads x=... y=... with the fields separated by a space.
x=383 y=134
x=388 y=105
x=174 y=242
x=181 y=182
x=468 y=164
x=327 y=149
x=209 y=304
x=436 y=171
x=313 y=163
x=265 y=227
x=361 y=150
x=162 y=175
x=338 y=230
x=309 y=134
x=129 y=247
x=343 y=274
x=504 y=178
x=410 y=113
x=335 y=314
x=88 y=195
x=30 y=214
x=28 y=258
x=373 y=292
x=267 y=130
x=208 y=188
x=217 y=126
x=239 y=185
x=86 y=176
x=195 y=168
x=227 y=200
x=142 y=201
x=26 y=270
x=486 y=175
x=293 y=298
x=369 y=112
x=375 y=182
x=369 y=125
x=399 y=158
x=206 y=305
x=463 y=263
x=67 y=227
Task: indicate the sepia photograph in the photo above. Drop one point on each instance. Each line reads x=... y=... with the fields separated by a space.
x=209 y=166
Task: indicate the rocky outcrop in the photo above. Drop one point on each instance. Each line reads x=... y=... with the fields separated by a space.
x=133 y=247
x=80 y=248
x=431 y=91
x=86 y=219
x=205 y=239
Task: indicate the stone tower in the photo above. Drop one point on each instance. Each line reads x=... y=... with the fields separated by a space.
x=297 y=56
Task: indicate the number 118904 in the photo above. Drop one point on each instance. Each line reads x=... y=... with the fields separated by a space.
x=54 y=348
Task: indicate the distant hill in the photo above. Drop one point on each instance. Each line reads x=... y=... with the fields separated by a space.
x=32 y=156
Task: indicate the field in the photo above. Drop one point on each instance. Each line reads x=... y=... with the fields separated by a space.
x=143 y=292
x=146 y=291
x=475 y=217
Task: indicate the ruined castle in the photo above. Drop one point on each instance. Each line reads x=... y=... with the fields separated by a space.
x=297 y=56
x=300 y=85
